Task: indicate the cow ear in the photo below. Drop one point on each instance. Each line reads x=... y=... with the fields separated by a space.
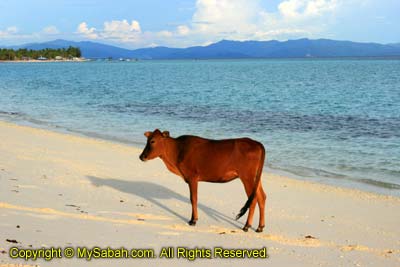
x=147 y=134
x=165 y=134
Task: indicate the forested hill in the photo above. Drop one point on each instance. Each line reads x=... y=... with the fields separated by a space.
x=301 y=48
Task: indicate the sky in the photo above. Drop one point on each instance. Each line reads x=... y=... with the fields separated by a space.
x=183 y=23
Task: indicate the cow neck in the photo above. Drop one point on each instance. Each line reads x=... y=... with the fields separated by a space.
x=170 y=157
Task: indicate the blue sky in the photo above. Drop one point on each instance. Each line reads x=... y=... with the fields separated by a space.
x=182 y=23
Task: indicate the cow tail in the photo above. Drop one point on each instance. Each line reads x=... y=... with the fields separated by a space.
x=257 y=184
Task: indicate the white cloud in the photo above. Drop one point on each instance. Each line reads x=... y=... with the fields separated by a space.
x=121 y=26
x=224 y=18
x=86 y=31
x=301 y=9
x=152 y=45
x=165 y=34
x=8 y=32
x=279 y=34
x=182 y=30
x=115 y=30
x=12 y=33
x=12 y=29
x=50 y=30
x=214 y=20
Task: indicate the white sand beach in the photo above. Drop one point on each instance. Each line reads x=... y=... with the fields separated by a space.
x=60 y=190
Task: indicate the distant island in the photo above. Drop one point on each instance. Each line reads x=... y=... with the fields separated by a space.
x=226 y=49
x=45 y=54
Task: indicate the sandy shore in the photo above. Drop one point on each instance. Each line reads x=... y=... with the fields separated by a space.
x=60 y=190
x=47 y=60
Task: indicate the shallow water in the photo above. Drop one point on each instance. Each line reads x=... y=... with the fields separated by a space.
x=334 y=121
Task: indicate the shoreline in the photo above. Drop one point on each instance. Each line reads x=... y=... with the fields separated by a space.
x=366 y=58
x=44 y=61
x=136 y=146
x=352 y=184
x=52 y=181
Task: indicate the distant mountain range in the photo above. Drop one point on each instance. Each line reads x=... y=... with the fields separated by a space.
x=301 y=48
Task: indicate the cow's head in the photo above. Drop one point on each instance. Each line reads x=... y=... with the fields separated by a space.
x=155 y=144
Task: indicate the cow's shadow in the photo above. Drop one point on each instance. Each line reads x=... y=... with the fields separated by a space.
x=155 y=193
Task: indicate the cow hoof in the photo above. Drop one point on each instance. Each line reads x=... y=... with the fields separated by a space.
x=259 y=229
x=192 y=223
x=246 y=228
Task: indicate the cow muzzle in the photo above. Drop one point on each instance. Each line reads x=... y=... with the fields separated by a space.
x=142 y=157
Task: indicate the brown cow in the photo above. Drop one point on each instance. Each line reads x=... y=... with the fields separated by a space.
x=197 y=159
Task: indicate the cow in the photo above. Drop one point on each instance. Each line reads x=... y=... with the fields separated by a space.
x=198 y=159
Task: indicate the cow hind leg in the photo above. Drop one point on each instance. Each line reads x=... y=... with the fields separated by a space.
x=261 y=198
x=193 y=184
x=251 y=213
x=248 y=186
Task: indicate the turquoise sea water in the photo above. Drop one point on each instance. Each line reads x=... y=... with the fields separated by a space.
x=332 y=121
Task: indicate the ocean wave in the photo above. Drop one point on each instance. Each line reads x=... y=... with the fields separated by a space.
x=301 y=171
x=10 y=113
x=382 y=184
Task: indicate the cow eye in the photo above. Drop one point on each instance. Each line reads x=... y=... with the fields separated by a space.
x=152 y=142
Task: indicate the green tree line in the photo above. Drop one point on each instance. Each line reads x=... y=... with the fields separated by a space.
x=11 y=54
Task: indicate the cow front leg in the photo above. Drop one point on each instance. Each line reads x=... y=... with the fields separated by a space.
x=193 y=199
